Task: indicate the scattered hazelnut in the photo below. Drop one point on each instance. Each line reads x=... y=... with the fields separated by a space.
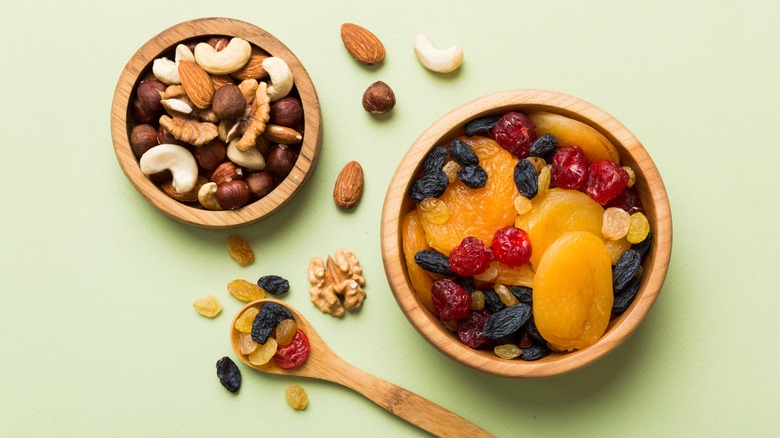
x=218 y=43
x=142 y=138
x=260 y=183
x=211 y=154
x=378 y=98
x=226 y=172
x=229 y=102
x=286 y=112
x=280 y=160
x=233 y=194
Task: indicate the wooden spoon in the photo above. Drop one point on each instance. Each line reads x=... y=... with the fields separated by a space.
x=323 y=364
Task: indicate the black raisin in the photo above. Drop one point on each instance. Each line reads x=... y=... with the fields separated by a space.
x=625 y=269
x=467 y=283
x=482 y=125
x=533 y=332
x=229 y=374
x=525 y=179
x=430 y=185
x=434 y=261
x=506 y=322
x=274 y=284
x=463 y=154
x=492 y=302
x=523 y=294
x=624 y=297
x=434 y=161
x=474 y=177
x=535 y=352
x=543 y=146
x=644 y=245
x=271 y=314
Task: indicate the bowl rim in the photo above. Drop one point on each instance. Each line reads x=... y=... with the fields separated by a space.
x=621 y=327
x=165 y=41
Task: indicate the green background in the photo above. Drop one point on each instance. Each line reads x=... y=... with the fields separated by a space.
x=97 y=333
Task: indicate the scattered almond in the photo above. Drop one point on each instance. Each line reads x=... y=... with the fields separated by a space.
x=363 y=45
x=349 y=185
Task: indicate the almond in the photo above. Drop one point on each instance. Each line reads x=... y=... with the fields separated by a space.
x=363 y=45
x=282 y=134
x=197 y=84
x=253 y=69
x=349 y=185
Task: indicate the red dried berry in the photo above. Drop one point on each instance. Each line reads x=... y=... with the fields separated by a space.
x=293 y=354
x=605 y=181
x=569 y=168
x=470 y=329
x=628 y=200
x=471 y=257
x=450 y=301
x=512 y=246
x=516 y=133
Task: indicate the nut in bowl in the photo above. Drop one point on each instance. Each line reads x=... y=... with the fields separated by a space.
x=500 y=198
x=216 y=122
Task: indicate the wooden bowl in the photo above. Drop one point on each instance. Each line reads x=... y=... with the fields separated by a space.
x=651 y=191
x=122 y=121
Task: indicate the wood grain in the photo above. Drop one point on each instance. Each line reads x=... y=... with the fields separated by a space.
x=140 y=64
x=651 y=191
x=324 y=364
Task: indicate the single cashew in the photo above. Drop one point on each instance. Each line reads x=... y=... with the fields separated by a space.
x=281 y=77
x=175 y=158
x=234 y=56
x=250 y=158
x=207 y=196
x=441 y=61
x=167 y=71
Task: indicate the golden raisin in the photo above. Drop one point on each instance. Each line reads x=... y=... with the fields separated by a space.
x=296 y=397
x=244 y=322
x=615 y=223
x=264 y=352
x=435 y=210
x=245 y=290
x=285 y=331
x=451 y=170
x=245 y=343
x=543 y=182
x=490 y=273
x=616 y=249
x=638 y=229
x=239 y=249
x=505 y=295
x=507 y=351
x=523 y=205
x=537 y=162
x=207 y=305
x=477 y=300
x=631 y=176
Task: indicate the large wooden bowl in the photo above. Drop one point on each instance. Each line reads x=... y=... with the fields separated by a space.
x=651 y=191
x=122 y=121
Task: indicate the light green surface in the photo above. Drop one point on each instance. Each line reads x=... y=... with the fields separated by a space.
x=98 y=337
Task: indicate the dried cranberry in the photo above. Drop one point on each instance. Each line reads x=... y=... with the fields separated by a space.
x=605 y=181
x=516 y=133
x=450 y=301
x=569 y=168
x=628 y=200
x=293 y=354
x=512 y=246
x=471 y=257
x=470 y=329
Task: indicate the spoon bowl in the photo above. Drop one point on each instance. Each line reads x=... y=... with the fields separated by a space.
x=324 y=364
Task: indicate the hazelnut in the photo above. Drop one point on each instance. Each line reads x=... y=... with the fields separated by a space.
x=378 y=98
x=148 y=93
x=280 y=160
x=160 y=177
x=229 y=102
x=286 y=112
x=226 y=172
x=165 y=137
x=218 y=43
x=142 y=138
x=260 y=183
x=211 y=154
x=233 y=194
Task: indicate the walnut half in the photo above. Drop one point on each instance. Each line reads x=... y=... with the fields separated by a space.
x=337 y=280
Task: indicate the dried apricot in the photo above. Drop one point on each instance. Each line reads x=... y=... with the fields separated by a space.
x=413 y=240
x=572 y=132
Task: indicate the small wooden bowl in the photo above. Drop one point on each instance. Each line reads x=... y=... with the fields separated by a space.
x=122 y=121
x=651 y=191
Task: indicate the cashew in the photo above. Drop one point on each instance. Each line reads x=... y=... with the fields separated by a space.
x=441 y=61
x=207 y=196
x=281 y=77
x=250 y=158
x=234 y=56
x=167 y=71
x=175 y=158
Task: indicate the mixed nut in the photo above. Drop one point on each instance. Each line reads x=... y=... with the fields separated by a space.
x=219 y=126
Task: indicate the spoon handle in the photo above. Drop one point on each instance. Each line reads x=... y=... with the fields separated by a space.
x=406 y=404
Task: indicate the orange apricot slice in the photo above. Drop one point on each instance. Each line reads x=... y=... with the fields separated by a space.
x=572 y=132
x=477 y=212
x=413 y=240
x=572 y=292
